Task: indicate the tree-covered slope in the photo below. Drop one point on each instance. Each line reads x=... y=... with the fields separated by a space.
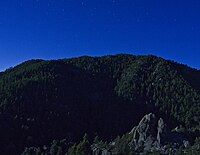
x=172 y=87
x=45 y=100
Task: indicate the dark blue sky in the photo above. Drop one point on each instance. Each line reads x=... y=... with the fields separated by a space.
x=51 y=29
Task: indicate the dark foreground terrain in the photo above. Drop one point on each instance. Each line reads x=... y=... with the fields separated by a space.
x=123 y=104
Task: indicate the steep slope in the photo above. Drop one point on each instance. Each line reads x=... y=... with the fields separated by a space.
x=45 y=100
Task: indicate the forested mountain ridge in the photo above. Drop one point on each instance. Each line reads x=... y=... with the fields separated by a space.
x=157 y=80
x=45 y=100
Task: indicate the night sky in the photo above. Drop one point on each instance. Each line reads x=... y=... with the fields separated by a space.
x=52 y=29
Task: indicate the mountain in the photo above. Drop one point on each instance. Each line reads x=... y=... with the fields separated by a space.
x=106 y=96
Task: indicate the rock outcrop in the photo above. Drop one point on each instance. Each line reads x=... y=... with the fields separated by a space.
x=148 y=134
x=151 y=134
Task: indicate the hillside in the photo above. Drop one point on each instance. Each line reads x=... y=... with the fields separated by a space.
x=45 y=100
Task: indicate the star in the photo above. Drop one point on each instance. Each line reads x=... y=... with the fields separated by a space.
x=21 y=4
x=138 y=20
x=47 y=13
x=192 y=28
x=113 y=1
x=83 y=3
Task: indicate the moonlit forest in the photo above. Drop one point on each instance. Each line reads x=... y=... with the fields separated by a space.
x=99 y=77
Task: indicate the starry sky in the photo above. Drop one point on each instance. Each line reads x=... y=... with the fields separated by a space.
x=52 y=29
